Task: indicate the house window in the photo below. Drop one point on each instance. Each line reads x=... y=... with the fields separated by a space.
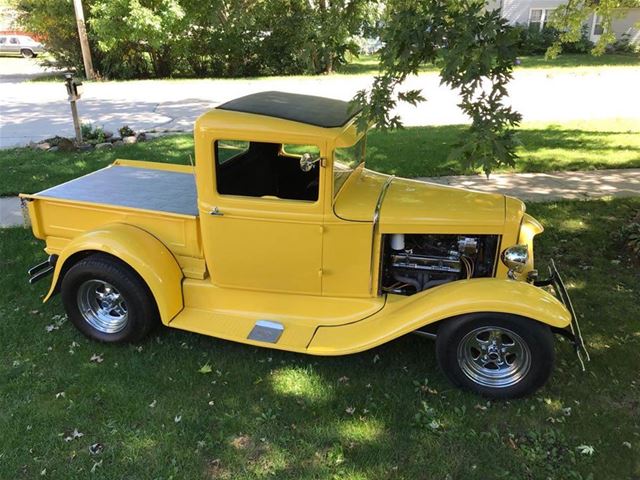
x=538 y=18
x=598 y=28
x=262 y=169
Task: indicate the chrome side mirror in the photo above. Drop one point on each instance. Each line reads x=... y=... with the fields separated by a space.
x=307 y=161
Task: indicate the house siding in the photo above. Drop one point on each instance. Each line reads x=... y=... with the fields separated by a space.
x=517 y=12
x=628 y=23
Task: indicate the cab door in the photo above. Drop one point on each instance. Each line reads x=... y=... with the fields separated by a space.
x=261 y=228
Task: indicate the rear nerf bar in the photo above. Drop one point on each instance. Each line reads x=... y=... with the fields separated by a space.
x=574 y=334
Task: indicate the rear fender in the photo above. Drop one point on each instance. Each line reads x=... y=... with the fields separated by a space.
x=143 y=252
x=402 y=315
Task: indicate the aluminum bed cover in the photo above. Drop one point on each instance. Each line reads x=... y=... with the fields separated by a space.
x=134 y=187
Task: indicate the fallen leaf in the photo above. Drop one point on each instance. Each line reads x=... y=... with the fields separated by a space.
x=206 y=368
x=586 y=449
x=61 y=395
x=153 y=404
x=177 y=418
x=96 y=358
x=350 y=410
x=96 y=465
x=73 y=435
x=96 y=449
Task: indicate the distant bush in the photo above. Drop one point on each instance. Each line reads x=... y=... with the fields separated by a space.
x=624 y=45
x=536 y=42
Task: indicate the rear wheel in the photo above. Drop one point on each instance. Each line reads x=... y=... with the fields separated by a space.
x=26 y=53
x=496 y=355
x=107 y=300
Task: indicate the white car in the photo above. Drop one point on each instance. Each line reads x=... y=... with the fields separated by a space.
x=20 y=45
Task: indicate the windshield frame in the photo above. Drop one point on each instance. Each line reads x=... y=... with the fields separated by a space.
x=362 y=141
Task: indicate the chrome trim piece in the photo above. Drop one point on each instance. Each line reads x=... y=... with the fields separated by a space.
x=374 y=229
x=266 y=331
x=420 y=333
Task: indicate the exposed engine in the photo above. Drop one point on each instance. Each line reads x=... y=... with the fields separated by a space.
x=417 y=262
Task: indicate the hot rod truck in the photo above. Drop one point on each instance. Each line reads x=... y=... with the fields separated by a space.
x=280 y=237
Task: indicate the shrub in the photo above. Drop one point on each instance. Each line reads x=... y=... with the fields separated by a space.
x=536 y=42
x=630 y=234
x=624 y=45
x=532 y=41
x=584 y=45
x=126 y=131
x=92 y=134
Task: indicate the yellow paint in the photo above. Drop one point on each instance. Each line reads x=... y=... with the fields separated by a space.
x=142 y=252
x=403 y=314
x=529 y=229
x=312 y=266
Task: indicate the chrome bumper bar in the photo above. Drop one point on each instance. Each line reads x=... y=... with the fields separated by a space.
x=573 y=333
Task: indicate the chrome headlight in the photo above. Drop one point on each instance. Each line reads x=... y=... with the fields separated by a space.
x=515 y=258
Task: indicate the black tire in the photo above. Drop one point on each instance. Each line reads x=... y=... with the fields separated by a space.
x=138 y=312
x=27 y=53
x=469 y=350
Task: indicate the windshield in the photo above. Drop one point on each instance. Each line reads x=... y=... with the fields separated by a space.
x=345 y=160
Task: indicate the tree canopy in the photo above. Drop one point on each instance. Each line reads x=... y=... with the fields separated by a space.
x=189 y=38
x=476 y=51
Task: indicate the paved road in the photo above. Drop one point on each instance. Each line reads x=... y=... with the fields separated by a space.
x=532 y=187
x=32 y=111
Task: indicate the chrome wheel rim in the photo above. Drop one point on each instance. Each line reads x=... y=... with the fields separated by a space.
x=102 y=306
x=494 y=357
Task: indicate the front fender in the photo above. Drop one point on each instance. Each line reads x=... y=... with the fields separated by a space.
x=402 y=314
x=143 y=252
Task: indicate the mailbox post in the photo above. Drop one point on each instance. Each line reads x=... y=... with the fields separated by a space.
x=74 y=92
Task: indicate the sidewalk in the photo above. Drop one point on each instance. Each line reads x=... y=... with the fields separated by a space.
x=545 y=187
x=532 y=187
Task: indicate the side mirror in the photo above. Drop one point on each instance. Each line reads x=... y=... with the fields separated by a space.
x=307 y=161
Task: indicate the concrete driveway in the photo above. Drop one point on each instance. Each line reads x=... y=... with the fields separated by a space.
x=31 y=111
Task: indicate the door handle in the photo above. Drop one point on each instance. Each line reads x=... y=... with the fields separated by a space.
x=215 y=211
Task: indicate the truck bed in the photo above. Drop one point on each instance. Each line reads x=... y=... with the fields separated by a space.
x=159 y=198
x=133 y=187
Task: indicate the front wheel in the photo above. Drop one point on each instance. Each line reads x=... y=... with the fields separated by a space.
x=108 y=301
x=496 y=355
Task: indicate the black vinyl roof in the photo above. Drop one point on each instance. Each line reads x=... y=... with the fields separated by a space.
x=309 y=109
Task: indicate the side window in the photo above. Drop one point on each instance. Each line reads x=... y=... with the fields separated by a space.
x=14 y=41
x=267 y=170
x=3 y=40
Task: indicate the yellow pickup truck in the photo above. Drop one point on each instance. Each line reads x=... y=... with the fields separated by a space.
x=280 y=237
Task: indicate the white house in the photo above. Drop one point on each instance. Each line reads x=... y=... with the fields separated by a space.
x=536 y=12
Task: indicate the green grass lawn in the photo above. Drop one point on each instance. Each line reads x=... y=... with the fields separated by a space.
x=411 y=152
x=386 y=413
x=368 y=64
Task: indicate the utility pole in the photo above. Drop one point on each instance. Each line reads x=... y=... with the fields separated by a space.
x=84 y=41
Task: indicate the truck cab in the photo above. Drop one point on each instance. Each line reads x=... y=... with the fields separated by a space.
x=279 y=236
